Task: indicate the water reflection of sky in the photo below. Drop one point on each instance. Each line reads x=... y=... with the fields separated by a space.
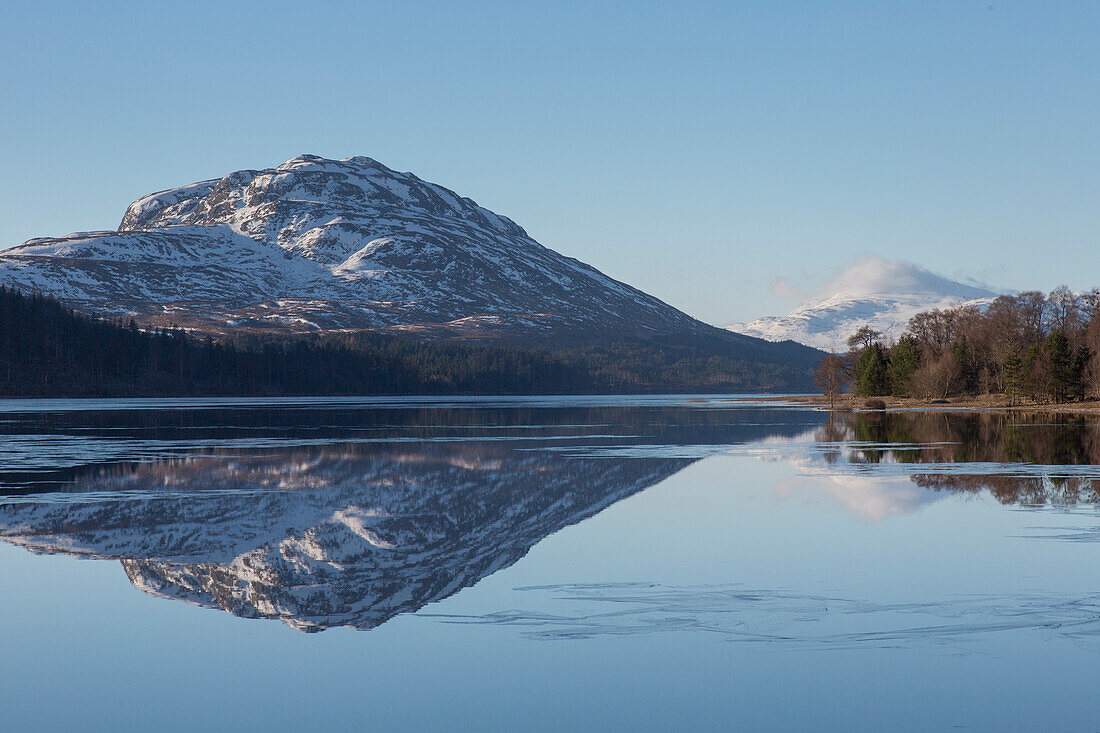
x=698 y=578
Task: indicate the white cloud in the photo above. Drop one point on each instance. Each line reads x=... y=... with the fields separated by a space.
x=875 y=275
x=872 y=498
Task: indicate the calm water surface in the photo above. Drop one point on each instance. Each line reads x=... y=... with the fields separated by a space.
x=547 y=563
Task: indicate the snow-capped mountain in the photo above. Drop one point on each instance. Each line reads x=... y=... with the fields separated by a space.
x=876 y=292
x=331 y=244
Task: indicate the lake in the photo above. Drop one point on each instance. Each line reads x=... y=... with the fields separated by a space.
x=554 y=563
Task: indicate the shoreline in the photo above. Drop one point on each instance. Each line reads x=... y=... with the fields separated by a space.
x=984 y=403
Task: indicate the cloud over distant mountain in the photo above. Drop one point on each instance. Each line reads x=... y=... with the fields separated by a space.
x=874 y=291
x=875 y=275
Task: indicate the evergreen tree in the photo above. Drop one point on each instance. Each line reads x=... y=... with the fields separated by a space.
x=872 y=372
x=904 y=360
x=966 y=367
x=1060 y=360
x=1067 y=367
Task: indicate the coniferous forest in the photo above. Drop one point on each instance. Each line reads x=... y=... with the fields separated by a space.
x=48 y=350
x=1042 y=348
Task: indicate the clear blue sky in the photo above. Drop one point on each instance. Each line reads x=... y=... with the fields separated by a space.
x=694 y=150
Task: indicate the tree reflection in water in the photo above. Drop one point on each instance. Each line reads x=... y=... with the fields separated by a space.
x=1020 y=458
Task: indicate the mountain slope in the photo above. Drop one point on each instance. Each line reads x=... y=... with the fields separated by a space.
x=319 y=244
x=879 y=293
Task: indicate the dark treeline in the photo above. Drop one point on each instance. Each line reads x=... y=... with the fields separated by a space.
x=1043 y=348
x=47 y=349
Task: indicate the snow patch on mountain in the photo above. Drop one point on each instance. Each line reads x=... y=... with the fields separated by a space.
x=877 y=292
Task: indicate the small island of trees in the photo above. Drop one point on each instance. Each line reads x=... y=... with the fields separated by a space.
x=1030 y=346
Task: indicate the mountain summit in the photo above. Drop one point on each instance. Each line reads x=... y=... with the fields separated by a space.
x=877 y=292
x=318 y=244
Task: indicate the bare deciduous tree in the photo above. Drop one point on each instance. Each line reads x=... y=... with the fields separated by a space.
x=831 y=377
x=1063 y=306
x=862 y=338
x=1033 y=306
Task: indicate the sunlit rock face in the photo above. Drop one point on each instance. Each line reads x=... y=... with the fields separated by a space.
x=335 y=536
x=319 y=244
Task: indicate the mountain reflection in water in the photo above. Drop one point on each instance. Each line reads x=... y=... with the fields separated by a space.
x=347 y=515
x=342 y=517
x=329 y=536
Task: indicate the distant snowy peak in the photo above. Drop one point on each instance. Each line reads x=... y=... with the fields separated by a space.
x=827 y=323
x=876 y=292
x=319 y=244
